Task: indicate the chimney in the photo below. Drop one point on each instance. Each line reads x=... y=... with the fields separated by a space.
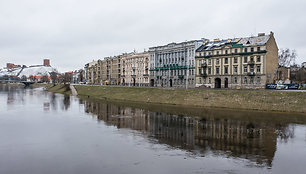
x=261 y=34
x=46 y=62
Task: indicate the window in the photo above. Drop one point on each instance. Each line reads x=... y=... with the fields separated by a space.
x=245 y=81
x=258 y=80
x=252 y=80
x=258 y=69
x=235 y=60
x=245 y=69
x=200 y=80
x=209 y=80
x=217 y=70
x=235 y=69
x=226 y=60
x=252 y=49
x=236 y=51
x=226 y=70
x=252 y=58
x=209 y=62
x=252 y=68
x=245 y=50
x=258 y=48
x=245 y=59
x=217 y=61
x=200 y=71
x=226 y=51
x=258 y=59
x=217 y=52
x=200 y=54
x=235 y=80
x=209 y=70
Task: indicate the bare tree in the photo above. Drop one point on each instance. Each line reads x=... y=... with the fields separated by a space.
x=53 y=76
x=286 y=57
x=67 y=78
x=24 y=78
x=81 y=78
x=32 y=78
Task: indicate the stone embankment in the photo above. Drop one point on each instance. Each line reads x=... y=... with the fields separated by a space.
x=262 y=100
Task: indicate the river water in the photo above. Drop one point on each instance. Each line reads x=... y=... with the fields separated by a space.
x=42 y=133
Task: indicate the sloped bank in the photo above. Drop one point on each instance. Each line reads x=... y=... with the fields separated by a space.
x=264 y=100
x=60 y=88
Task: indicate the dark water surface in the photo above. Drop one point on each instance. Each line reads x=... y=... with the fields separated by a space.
x=42 y=133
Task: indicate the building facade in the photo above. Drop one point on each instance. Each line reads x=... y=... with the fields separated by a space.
x=135 y=69
x=239 y=63
x=173 y=65
x=93 y=77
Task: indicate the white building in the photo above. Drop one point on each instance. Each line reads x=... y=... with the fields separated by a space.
x=173 y=65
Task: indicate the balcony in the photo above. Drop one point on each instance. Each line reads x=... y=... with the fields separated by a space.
x=203 y=74
x=251 y=62
x=203 y=65
x=251 y=73
x=145 y=74
x=181 y=76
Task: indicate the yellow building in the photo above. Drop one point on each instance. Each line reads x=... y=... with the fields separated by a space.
x=239 y=63
x=135 y=69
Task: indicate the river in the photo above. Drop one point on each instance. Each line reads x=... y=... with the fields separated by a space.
x=43 y=132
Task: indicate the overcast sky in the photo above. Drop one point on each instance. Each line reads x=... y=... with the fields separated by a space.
x=72 y=33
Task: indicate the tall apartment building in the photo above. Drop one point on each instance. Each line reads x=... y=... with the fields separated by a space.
x=92 y=73
x=135 y=69
x=173 y=65
x=110 y=70
x=238 y=63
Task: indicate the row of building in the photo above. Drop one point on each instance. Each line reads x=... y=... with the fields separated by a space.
x=236 y=63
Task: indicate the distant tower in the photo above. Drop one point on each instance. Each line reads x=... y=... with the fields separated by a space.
x=46 y=62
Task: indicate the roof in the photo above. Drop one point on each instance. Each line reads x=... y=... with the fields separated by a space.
x=252 y=41
x=34 y=71
x=236 y=42
x=216 y=43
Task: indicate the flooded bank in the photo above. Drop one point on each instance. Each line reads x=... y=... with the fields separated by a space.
x=43 y=132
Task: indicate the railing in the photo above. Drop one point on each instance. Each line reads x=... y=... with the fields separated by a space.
x=203 y=65
x=251 y=73
x=251 y=62
x=203 y=74
x=181 y=76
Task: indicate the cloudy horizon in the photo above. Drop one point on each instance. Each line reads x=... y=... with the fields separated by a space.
x=72 y=33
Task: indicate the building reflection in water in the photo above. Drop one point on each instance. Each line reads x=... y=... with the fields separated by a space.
x=248 y=139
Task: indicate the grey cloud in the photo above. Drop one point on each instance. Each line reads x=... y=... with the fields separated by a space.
x=73 y=32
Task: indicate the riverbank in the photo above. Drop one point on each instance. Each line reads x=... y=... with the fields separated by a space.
x=60 y=88
x=263 y=100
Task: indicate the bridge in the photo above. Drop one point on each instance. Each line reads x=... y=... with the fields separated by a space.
x=27 y=83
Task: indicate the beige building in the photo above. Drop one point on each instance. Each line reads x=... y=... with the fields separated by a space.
x=239 y=63
x=135 y=69
x=111 y=70
x=93 y=77
x=105 y=72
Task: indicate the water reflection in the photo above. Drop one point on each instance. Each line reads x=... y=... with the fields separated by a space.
x=130 y=138
x=249 y=139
